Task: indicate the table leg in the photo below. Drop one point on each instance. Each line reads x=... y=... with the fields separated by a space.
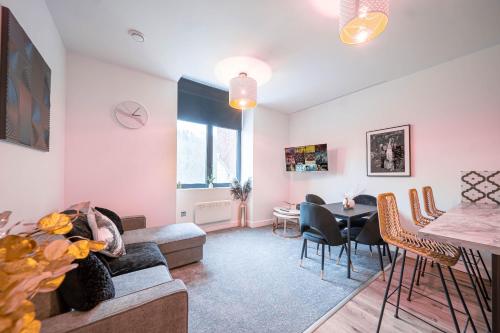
x=348 y=247
x=495 y=314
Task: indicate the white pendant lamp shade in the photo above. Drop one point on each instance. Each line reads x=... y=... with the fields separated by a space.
x=243 y=92
x=362 y=20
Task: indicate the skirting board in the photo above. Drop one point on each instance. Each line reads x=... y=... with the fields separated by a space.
x=261 y=223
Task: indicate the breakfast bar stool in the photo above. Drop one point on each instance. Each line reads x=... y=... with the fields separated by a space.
x=442 y=254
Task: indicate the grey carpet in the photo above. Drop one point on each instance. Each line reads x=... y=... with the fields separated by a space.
x=250 y=281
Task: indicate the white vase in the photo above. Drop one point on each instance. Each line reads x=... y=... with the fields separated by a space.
x=210 y=185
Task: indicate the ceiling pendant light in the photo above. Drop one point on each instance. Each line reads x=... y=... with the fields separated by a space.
x=243 y=92
x=362 y=20
x=243 y=75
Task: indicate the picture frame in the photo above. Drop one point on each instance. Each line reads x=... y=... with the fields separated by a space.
x=388 y=152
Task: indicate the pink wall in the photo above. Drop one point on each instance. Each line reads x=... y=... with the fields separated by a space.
x=129 y=171
x=32 y=181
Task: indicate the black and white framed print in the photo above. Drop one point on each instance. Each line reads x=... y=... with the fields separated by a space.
x=388 y=152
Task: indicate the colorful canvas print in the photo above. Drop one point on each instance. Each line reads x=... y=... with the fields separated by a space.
x=388 y=152
x=307 y=158
x=24 y=88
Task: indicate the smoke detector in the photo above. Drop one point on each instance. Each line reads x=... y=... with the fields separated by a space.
x=136 y=35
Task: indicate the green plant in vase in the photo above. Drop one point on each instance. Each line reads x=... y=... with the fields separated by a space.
x=211 y=180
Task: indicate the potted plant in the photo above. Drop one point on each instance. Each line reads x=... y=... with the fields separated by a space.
x=210 y=181
x=241 y=192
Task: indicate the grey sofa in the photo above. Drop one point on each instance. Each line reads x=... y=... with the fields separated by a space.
x=147 y=300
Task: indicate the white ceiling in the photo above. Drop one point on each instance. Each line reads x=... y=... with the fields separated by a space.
x=310 y=65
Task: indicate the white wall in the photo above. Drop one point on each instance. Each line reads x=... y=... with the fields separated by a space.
x=129 y=171
x=32 y=181
x=454 y=111
x=270 y=180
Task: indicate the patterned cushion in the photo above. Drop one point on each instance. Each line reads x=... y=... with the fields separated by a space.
x=113 y=217
x=139 y=256
x=87 y=285
x=103 y=229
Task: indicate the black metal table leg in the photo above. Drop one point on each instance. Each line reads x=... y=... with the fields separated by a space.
x=349 y=248
x=495 y=315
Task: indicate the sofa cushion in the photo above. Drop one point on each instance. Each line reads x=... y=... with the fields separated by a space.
x=87 y=285
x=81 y=226
x=113 y=217
x=170 y=238
x=129 y=283
x=139 y=256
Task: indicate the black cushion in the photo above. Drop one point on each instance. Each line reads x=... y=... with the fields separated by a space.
x=113 y=217
x=87 y=285
x=80 y=226
x=139 y=256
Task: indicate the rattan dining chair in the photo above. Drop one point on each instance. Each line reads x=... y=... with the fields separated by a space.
x=429 y=203
x=442 y=254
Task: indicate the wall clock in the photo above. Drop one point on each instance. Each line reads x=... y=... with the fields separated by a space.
x=131 y=114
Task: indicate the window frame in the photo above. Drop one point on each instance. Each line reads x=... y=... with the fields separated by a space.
x=209 y=160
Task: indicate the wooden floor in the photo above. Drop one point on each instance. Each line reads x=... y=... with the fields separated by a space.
x=362 y=312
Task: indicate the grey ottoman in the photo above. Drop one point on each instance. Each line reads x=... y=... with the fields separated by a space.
x=181 y=243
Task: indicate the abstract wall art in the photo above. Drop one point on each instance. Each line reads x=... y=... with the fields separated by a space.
x=24 y=87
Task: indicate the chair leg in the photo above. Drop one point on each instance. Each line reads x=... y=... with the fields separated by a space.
x=478 y=283
x=355 y=247
x=322 y=261
x=371 y=252
x=462 y=251
x=462 y=300
x=389 y=252
x=381 y=262
x=305 y=251
x=329 y=252
x=396 y=315
x=393 y=265
x=423 y=268
x=419 y=272
x=448 y=299
x=484 y=266
x=479 y=275
x=340 y=254
x=317 y=249
x=304 y=245
x=383 y=250
x=413 y=277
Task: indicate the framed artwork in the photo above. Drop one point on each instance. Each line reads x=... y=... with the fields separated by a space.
x=388 y=152
x=24 y=87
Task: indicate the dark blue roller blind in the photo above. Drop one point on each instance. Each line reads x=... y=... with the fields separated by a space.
x=203 y=104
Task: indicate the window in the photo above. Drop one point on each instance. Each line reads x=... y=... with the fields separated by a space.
x=191 y=141
x=225 y=154
x=208 y=136
x=194 y=141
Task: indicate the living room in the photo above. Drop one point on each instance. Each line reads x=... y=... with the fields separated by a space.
x=143 y=116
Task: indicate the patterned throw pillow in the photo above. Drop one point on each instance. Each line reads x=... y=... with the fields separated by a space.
x=103 y=229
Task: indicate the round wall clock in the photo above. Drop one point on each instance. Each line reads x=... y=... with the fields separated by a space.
x=131 y=114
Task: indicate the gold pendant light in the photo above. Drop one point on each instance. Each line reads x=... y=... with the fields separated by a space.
x=243 y=92
x=362 y=20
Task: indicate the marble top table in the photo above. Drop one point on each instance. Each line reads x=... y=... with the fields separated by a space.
x=474 y=227
x=468 y=225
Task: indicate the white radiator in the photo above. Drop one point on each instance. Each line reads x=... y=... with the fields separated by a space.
x=213 y=211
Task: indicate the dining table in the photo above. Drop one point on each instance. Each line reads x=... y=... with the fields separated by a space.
x=476 y=227
x=359 y=210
